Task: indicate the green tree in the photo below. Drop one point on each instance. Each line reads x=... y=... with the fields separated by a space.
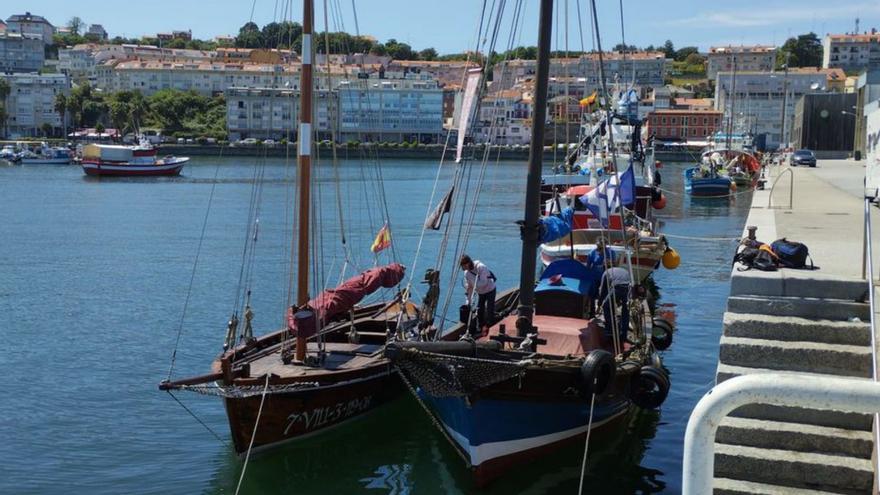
x=668 y=49
x=47 y=129
x=249 y=36
x=803 y=51
x=399 y=51
x=176 y=43
x=99 y=128
x=75 y=24
x=428 y=54
x=683 y=53
x=61 y=108
x=3 y=116
x=5 y=89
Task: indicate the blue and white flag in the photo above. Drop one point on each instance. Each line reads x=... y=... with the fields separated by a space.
x=607 y=197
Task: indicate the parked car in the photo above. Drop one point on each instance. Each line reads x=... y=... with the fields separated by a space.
x=248 y=141
x=803 y=157
x=181 y=141
x=270 y=142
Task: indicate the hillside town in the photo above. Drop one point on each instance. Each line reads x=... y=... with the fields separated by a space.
x=225 y=91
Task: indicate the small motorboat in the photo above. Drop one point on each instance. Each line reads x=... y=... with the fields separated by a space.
x=46 y=155
x=706 y=182
x=126 y=161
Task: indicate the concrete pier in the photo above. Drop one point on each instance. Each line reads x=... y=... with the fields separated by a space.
x=801 y=321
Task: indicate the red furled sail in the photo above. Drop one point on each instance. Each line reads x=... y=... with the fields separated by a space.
x=331 y=302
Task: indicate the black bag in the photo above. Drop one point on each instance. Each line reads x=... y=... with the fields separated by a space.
x=746 y=255
x=764 y=261
x=752 y=256
x=792 y=254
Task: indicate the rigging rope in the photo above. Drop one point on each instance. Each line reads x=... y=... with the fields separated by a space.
x=211 y=431
x=192 y=276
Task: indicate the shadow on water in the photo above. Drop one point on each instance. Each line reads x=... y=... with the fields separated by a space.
x=398 y=450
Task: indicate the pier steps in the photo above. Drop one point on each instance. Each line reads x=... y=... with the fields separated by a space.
x=779 y=325
x=724 y=486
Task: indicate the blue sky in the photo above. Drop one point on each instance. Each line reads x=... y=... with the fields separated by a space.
x=449 y=25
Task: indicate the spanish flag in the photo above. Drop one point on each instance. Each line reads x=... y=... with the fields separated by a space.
x=383 y=239
x=589 y=100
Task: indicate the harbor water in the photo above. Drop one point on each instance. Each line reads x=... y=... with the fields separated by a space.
x=95 y=276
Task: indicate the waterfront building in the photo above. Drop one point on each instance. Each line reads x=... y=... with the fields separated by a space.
x=390 y=110
x=444 y=72
x=21 y=52
x=695 y=124
x=851 y=52
x=78 y=62
x=273 y=113
x=31 y=103
x=28 y=23
x=825 y=123
x=755 y=58
x=2 y=26
x=759 y=98
x=642 y=69
x=175 y=35
x=505 y=118
x=97 y=32
x=867 y=92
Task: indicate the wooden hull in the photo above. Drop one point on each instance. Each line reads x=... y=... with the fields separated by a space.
x=293 y=415
x=169 y=168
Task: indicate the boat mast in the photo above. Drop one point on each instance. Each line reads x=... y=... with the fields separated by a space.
x=732 y=98
x=304 y=139
x=530 y=227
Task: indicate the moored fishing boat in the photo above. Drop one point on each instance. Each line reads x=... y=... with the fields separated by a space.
x=127 y=161
x=707 y=180
x=503 y=398
x=45 y=155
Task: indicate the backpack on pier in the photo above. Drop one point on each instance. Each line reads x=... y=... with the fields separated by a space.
x=792 y=254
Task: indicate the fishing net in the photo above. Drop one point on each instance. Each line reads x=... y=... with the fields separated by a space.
x=243 y=391
x=442 y=375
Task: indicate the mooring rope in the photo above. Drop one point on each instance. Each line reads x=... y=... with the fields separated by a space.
x=247 y=456
x=587 y=441
x=696 y=238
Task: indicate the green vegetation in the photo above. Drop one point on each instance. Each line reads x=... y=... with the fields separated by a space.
x=4 y=114
x=803 y=51
x=176 y=113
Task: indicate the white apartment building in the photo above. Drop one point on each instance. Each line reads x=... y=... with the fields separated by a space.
x=391 y=110
x=273 y=113
x=28 y=23
x=78 y=62
x=756 y=58
x=645 y=69
x=21 y=52
x=31 y=103
x=505 y=118
x=851 y=51
x=757 y=100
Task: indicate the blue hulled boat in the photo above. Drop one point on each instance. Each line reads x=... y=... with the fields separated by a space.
x=699 y=181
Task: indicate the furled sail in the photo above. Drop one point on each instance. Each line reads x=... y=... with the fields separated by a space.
x=304 y=321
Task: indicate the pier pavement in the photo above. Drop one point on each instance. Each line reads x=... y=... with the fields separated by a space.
x=804 y=321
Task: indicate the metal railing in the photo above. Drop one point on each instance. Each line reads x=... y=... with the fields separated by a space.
x=868 y=270
x=790 y=188
x=793 y=390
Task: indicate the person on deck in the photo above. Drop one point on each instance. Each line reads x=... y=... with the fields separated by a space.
x=480 y=280
x=596 y=263
x=614 y=294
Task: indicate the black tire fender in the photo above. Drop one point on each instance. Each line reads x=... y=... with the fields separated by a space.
x=597 y=372
x=661 y=337
x=651 y=388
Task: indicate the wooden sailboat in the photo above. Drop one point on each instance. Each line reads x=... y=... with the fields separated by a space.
x=327 y=366
x=506 y=398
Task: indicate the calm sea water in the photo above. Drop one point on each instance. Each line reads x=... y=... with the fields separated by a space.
x=93 y=279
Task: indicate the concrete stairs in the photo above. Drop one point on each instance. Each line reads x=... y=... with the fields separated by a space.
x=790 y=327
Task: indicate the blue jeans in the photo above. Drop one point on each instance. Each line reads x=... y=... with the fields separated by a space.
x=621 y=298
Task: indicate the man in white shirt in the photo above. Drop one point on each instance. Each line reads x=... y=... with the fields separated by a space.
x=479 y=280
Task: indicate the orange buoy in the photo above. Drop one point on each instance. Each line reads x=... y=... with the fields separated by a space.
x=660 y=203
x=671 y=259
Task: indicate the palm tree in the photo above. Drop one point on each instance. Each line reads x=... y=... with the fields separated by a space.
x=5 y=89
x=61 y=108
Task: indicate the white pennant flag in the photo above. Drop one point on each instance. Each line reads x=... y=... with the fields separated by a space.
x=467 y=108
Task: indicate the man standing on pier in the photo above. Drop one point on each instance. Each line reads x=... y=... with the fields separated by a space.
x=480 y=280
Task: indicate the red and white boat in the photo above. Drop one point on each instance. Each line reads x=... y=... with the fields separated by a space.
x=117 y=160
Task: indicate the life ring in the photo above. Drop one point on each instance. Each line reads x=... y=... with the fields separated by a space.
x=597 y=372
x=661 y=337
x=650 y=388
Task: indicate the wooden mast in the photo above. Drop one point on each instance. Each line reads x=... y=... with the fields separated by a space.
x=304 y=151
x=530 y=227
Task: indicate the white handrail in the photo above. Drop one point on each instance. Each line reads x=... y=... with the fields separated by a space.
x=868 y=267
x=790 y=188
x=784 y=389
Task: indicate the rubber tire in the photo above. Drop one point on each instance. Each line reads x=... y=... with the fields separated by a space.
x=650 y=388
x=661 y=337
x=597 y=372
x=660 y=322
